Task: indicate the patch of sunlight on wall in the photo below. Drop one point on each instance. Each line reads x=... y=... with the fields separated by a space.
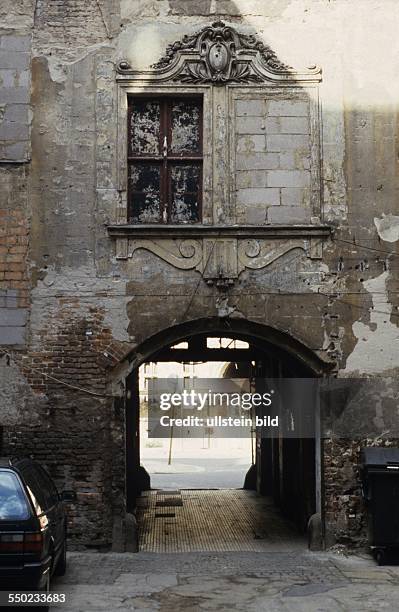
x=357 y=49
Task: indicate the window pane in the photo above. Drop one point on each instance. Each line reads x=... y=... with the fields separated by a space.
x=13 y=504
x=47 y=487
x=185 y=188
x=35 y=491
x=186 y=128
x=145 y=125
x=145 y=204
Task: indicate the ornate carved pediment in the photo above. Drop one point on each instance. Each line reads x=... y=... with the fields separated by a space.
x=218 y=54
x=222 y=56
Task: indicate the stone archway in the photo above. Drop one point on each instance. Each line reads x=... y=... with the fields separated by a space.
x=298 y=360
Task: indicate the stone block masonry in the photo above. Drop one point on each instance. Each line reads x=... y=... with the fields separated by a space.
x=15 y=81
x=272 y=160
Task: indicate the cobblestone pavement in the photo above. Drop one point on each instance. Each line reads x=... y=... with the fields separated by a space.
x=236 y=581
x=222 y=520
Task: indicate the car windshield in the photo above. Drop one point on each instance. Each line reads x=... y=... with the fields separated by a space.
x=13 y=505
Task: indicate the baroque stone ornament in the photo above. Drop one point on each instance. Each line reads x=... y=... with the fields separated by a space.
x=218 y=54
x=222 y=56
x=220 y=259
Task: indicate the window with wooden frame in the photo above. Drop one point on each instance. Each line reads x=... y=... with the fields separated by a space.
x=165 y=157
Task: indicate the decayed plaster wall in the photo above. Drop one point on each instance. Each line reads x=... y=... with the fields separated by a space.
x=377 y=348
x=355 y=98
x=65 y=55
x=86 y=310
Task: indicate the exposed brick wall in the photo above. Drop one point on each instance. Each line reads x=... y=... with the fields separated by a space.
x=59 y=23
x=75 y=436
x=14 y=234
x=73 y=443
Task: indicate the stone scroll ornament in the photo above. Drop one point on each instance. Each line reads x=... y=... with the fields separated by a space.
x=217 y=54
x=219 y=259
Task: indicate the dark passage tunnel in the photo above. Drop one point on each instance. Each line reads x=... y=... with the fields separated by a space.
x=283 y=475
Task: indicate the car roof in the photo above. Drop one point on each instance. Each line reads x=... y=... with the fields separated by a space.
x=13 y=462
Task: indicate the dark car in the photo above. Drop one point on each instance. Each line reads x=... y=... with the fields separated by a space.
x=32 y=526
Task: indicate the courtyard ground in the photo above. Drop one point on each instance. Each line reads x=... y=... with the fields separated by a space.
x=236 y=581
x=223 y=550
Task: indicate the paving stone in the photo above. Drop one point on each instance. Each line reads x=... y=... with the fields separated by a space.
x=367 y=574
x=277 y=582
x=272 y=125
x=7 y=78
x=249 y=522
x=18 y=95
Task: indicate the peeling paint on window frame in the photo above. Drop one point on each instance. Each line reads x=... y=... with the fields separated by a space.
x=167 y=159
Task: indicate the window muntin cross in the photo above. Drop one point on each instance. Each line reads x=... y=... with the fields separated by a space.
x=165 y=156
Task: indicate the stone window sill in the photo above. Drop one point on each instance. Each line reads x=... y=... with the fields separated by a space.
x=143 y=231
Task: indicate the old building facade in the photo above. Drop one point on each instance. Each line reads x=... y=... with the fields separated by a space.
x=176 y=168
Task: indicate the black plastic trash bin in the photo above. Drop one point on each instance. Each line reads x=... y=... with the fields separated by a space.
x=380 y=472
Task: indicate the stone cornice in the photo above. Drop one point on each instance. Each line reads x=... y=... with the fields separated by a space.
x=143 y=231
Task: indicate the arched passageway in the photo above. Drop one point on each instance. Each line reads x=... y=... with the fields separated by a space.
x=285 y=470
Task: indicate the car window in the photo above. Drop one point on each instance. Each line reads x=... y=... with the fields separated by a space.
x=13 y=504
x=35 y=491
x=48 y=486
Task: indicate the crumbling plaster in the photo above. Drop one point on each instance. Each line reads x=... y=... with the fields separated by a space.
x=71 y=124
x=377 y=348
x=388 y=227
